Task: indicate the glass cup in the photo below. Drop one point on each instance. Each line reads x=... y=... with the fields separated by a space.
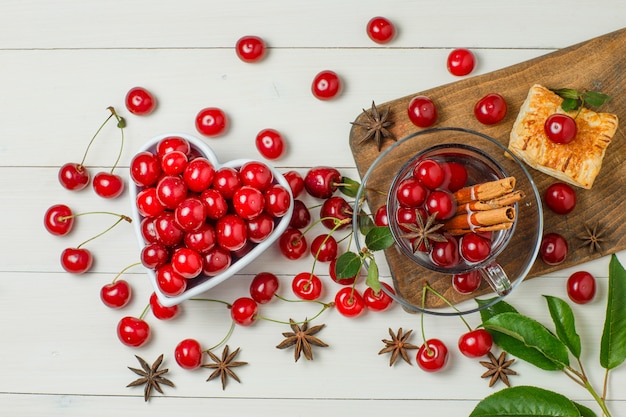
x=513 y=249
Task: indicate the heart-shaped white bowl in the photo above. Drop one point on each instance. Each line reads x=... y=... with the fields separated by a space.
x=203 y=282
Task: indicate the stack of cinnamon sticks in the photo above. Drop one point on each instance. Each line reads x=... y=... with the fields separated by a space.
x=485 y=207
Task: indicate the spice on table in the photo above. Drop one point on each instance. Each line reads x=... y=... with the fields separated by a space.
x=498 y=369
x=423 y=233
x=223 y=366
x=302 y=338
x=398 y=346
x=376 y=125
x=151 y=377
x=592 y=237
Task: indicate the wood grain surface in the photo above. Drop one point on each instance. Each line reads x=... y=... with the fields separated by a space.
x=597 y=64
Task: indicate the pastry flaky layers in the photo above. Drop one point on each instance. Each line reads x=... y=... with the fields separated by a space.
x=577 y=162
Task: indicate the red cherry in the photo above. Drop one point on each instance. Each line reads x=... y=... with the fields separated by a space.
x=260 y=228
x=324 y=248
x=148 y=231
x=167 y=229
x=326 y=85
x=187 y=262
x=198 y=174
x=227 y=180
x=333 y=275
x=243 y=311
x=263 y=287
x=73 y=176
x=381 y=30
x=58 y=220
x=108 y=185
x=422 y=111
x=140 y=101
x=270 y=143
x=461 y=62
x=553 y=249
x=336 y=209
x=307 y=286
x=292 y=244
x=169 y=281
x=214 y=203
x=296 y=182
x=455 y=176
x=116 y=294
x=378 y=302
x=466 y=283
x=133 y=332
x=445 y=254
x=411 y=193
x=250 y=48
x=248 y=202
x=560 y=198
x=174 y=163
x=560 y=128
x=380 y=216
x=301 y=216
x=322 y=181
x=201 y=240
x=430 y=173
x=474 y=248
x=490 y=109
x=432 y=355
x=154 y=255
x=160 y=311
x=231 y=232
x=581 y=287
x=190 y=214
x=475 y=343
x=188 y=354
x=145 y=169
x=349 y=302
x=76 y=260
x=277 y=200
x=211 y=121
x=441 y=202
x=257 y=175
x=171 y=191
x=148 y=204
x=216 y=261
x=170 y=144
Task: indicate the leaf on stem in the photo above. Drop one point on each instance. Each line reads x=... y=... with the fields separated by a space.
x=564 y=323
x=529 y=340
x=365 y=223
x=379 y=238
x=349 y=187
x=348 y=265
x=494 y=310
x=372 y=280
x=613 y=344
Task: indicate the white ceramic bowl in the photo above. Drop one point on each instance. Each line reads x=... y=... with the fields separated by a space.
x=204 y=283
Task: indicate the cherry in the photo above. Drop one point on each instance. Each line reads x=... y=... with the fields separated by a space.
x=216 y=261
x=277 y=200
x=154 y=255
x=190 y=214
x=160 y=311
x=140 y=101
x=198 y=174
x=442 y=203
x=174 y=163
x=215 y=203
x=349 y=302
x=145 y=169
x=475 y=343
x=474 y=248
x=380 y=217
x=186 y=262
x=231 y=232
x=581 y=287
x=211 y=121
x=148 y=231
x=263 y=287
x=408 y=215
x=270 y=143
x=227 y=181
x=490 y=109
x=429 y=173
x=322 y=181
x=422 y=111
x=292 y=243
x=432 y=355
x=307 y=286
x=169 y=281
x=336 y=213
x=133 y=332
x=296 y=182
x=250 y=48
x=73 y=176
x=76 y=260
x=560 y=198
x=466 y=283
x=116 y=294
x=560 y=128
x=248 y=202
x=243 y=311
x=167 y=229
x=260 y=228
x=201 y=240
x=188 y=354
x=411 y=193
x=456 y=176
x=58 y=220
x=380 y=30
x=326 y=85
x=148 y=204
x=324 y=248
x=445 y=254
x=461 y=62
x=553 y=249
x=171 y=144
x=378 y=302
x=300 y=216
x=171 y=191
x=257 y=175
x=108 y=185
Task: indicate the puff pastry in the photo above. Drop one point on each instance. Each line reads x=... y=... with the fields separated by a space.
x=578 y=162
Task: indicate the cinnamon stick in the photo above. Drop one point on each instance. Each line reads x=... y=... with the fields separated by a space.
x=505 y=200
x=485 y=191
x=483 y=218
x=494 y=228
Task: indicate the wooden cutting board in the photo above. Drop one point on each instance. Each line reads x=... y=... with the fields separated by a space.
x=598 y=64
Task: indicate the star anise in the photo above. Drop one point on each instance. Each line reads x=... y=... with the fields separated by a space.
x=498 y=369
x=223 y=366
x=422 y=234
x=398 y=346
x=376 y=125
x=302 y=337
x=151 y=377
x=592 y=237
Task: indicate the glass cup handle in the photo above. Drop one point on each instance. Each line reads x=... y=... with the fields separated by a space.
x=497 y=279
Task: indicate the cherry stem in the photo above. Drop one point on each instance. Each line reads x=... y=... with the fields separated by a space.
x=121 y=123
x=325 y=306
x=428 y=349
x=445 y=300
x=143 y=313
x=338 y=224
x=212 y=300
x=123 y=216
x=124 y=270
x=105 y=231
x=225 y=338
x=96 y=134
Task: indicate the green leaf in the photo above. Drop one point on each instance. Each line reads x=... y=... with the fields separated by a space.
x=372 y=276
x=365 y=223
x=525 y=401
x=497 y=308
x=349 y=187
x=529 y=340
x=565 y=324
x=613 y=344
x=379 y=238
x=348 y=265
x=566 y=93
x=570 y=104
x=594 y=98
x=584 y=411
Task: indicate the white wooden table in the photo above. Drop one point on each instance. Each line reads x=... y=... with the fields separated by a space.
x=62 y=63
